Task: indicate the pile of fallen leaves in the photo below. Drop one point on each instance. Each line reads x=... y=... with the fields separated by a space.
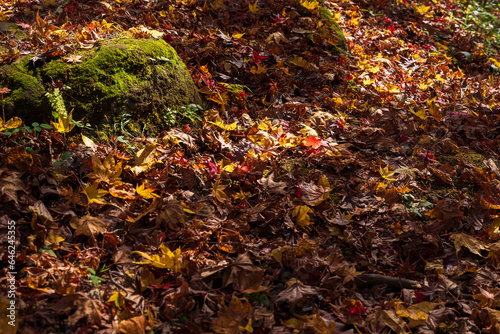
x=325 y=192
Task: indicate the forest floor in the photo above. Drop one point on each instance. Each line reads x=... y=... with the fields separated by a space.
x=322 y=192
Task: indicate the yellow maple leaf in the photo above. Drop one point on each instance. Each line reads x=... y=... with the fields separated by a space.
x=440 y=78
x=118 y=298
x=420 y=114
x=218 y=192
x=95 y=195
x=422 y=9
x=495 y=62
x=386 y=173
x=107 y=171
x=146 y=192
x=64 y=124
x=14 y=122
x=253 y=7
x=167 y=259
x=301 y=215
x=309 y=4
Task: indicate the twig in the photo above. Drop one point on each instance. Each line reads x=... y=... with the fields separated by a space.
x=391 y=282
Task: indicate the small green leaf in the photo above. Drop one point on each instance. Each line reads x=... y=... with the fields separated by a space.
x=66 y=156
x=7 y=133
x=45 y=248
x=467 y=55
x=35 y=124
x=46 y=126
x=92 y=271
x=59 y=163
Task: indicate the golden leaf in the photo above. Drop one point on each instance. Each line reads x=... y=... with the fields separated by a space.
x=309 y=4
x=167 y=259
x=301 y=215
x=253 y=7
x=93 y=194
x=386 y=173
x=64 y=124
x=146 y=192
x=218 y=192
x=12 y=123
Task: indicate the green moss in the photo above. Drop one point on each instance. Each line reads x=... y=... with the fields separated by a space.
x=138 y=77
x=326 y=15
x=466 y=155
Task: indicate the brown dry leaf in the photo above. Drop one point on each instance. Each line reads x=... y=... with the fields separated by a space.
x=41 y=211
x=296 y=293
x=144 y=160
x=313 y=323
x=10 y=184
x=244 y=275
x=313 y=194
x=88 y=226
x=107 y=171
x=472 y=244
x=232 y=318
x=88 y=309
x=135 y=325
x=218 y=191
x=176 y=136
x=124 y=191
x=19 y=158
x=389 y=318
x=271 y=186
x=171 y=215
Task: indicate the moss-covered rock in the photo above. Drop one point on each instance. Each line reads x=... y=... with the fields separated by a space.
x=328 y=28
x=337 y=39
x=118 y=79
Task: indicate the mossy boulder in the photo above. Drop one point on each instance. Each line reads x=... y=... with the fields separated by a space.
x=328 y=28
x=118 y=81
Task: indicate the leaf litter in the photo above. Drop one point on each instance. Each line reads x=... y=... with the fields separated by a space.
x=325 y=191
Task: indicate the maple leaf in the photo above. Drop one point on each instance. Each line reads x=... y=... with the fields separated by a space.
x=386 y=173
x=472 y=244
x=107 y=171
x=13 y=123
x=73 y=59
x=172 y=214
x=118 y=298
x=167 y=259
x=88 y=226
x=301 y=215
x=64 y=124
x=231 y=317
x=309 y=4
x=253 y=7
x=313 y=142
x=144 y=159
x=93 y=194
x=146 y=192
x=218 y=191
